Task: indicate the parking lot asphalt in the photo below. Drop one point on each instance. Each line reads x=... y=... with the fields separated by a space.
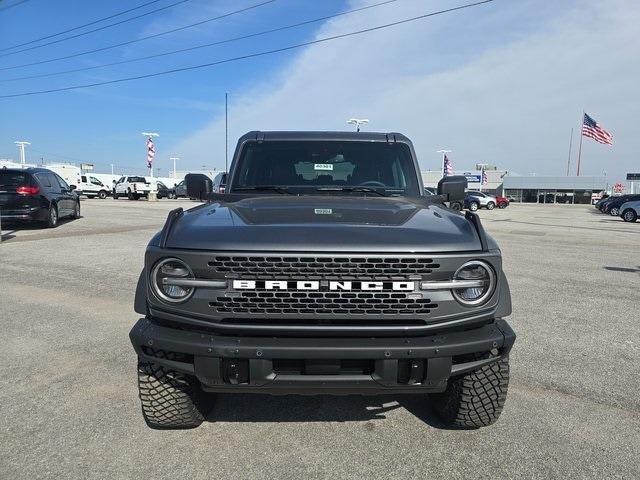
x=68 y=396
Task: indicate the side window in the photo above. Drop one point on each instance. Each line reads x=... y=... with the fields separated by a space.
x=54 y=186
x=84 y=179
x=95 y=181
x=60 y=181
x=44 y=180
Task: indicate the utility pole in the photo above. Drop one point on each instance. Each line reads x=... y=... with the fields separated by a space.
x=358 y=122
x=112 y=169
x=174 y=165
x=21 y=145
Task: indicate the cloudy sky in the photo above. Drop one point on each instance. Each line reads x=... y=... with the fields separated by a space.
x=501 y=83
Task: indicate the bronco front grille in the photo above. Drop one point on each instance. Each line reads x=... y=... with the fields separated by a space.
x=322 y=267
x=328 y=303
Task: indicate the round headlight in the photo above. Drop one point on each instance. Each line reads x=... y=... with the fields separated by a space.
x=168 y=280
x=484 y=280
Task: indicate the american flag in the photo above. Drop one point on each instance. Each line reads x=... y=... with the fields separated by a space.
x=485 y=180
x=591 y=129
x=151 y=152
x=447 y=168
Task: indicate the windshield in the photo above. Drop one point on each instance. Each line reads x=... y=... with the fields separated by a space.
x=306 y=166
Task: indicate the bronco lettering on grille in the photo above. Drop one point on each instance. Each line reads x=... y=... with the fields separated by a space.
x=324 y=285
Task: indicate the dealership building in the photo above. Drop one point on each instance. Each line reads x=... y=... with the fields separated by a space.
x=531 y=188
x=534 y=189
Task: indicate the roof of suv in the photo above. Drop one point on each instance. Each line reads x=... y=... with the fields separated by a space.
x=26 y=169
x=318 y=135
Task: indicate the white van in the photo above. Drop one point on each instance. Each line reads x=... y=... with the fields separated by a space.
x=92 y=187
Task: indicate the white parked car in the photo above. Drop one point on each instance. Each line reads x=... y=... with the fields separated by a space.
x=132 y=187
x=630 y=211
x=92 y=187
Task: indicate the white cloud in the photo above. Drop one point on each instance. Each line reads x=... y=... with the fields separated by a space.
x=502 y=83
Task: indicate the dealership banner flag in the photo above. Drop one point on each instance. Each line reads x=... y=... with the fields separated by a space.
x=447 y=167
x=485 y=180
x=151 y=152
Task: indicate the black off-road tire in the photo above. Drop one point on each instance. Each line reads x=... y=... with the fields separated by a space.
x=170 y=399
x=475 y=399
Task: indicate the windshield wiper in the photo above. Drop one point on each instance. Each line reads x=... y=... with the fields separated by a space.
x=274 y=188
x=351 y=189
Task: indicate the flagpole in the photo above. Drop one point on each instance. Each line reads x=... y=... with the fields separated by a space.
x=226 y=133
x=580 y=147
x=569 y=158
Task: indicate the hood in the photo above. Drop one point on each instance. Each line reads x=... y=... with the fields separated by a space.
x=323 y=223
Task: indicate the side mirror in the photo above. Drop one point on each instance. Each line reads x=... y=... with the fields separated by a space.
x=453 y=187
x=72 y=188
x=198 y=185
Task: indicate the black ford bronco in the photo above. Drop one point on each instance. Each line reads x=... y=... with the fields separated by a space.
x=323 y=269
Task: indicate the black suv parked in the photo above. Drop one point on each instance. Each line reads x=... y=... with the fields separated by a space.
x=36 y=195
x=323 y=269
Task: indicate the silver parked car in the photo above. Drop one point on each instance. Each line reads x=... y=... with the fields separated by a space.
x=630 y=211
x=476 y=200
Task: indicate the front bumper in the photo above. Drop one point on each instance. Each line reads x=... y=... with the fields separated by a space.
x=283 y=365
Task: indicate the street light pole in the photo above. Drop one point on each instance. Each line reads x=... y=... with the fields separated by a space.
x=21 y=145
x=174 y=166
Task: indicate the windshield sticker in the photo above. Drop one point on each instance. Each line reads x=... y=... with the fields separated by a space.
x=323 y=166
x=323 y=211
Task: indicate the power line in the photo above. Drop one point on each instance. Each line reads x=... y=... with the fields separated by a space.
x=7 y=7
x=219 y=42
x=78 y=27
x=129 y=42
x=251 y=55
x=104 y=27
